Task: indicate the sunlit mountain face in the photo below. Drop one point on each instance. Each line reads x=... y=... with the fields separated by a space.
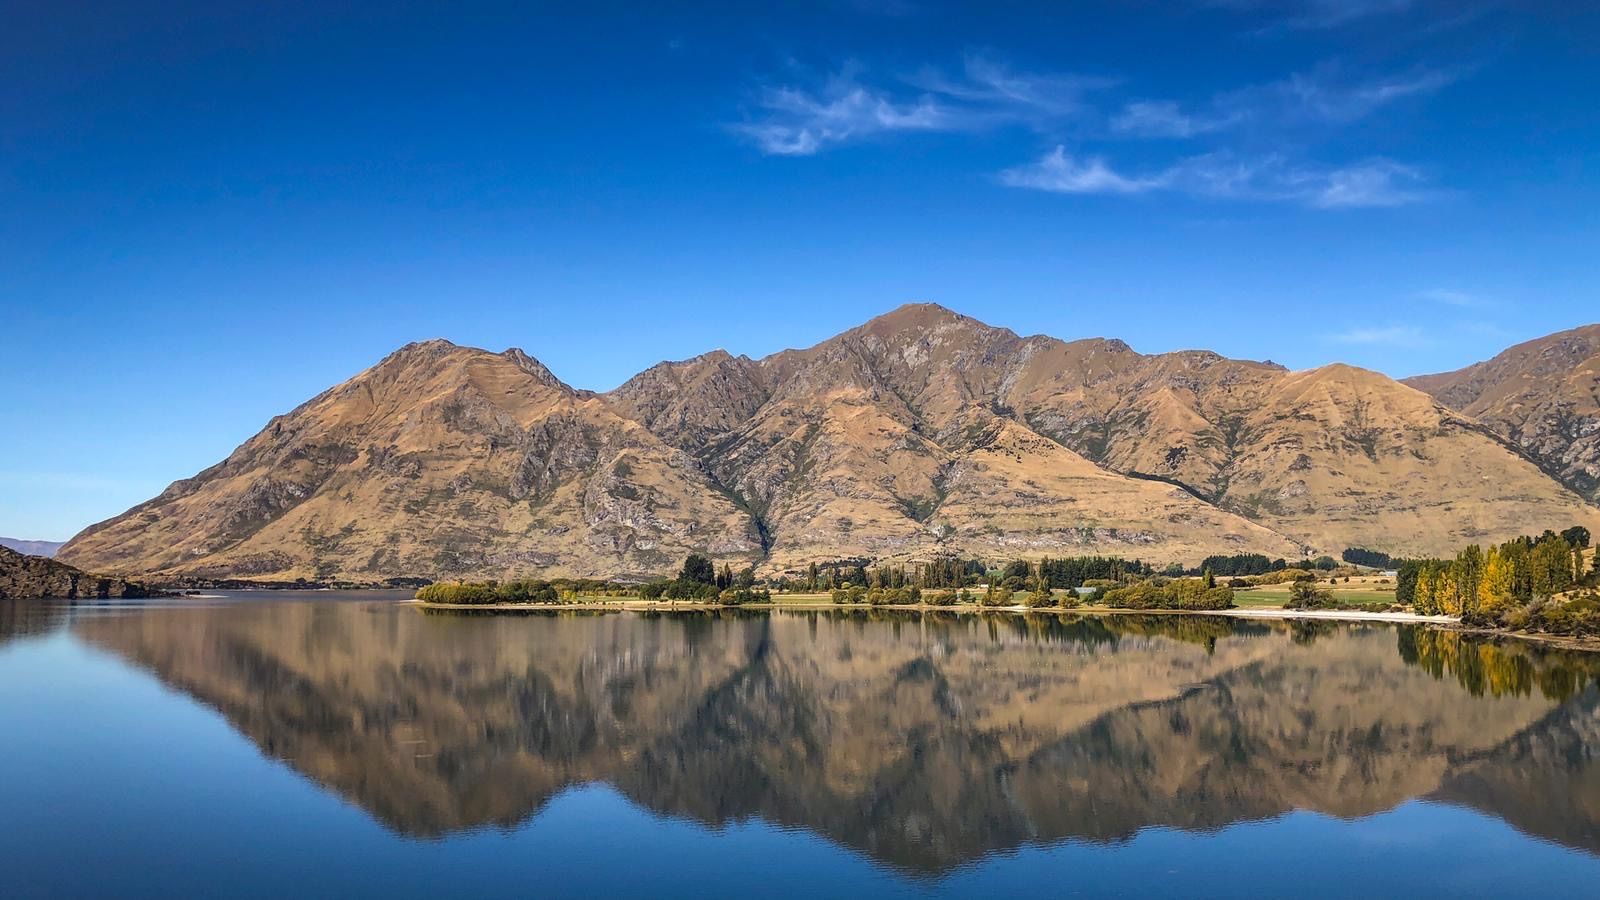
x=922 y=741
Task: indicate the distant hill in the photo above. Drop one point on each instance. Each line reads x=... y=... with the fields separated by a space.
x=917 y=434
x=32 y=548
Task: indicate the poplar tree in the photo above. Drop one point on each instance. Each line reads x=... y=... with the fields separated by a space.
x=1495 y=589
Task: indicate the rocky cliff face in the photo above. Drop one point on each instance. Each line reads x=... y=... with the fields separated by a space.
x=1543 y=396
x=35 y=577
x=919 y=433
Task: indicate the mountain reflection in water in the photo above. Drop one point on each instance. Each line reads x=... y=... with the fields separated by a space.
x=925 y=741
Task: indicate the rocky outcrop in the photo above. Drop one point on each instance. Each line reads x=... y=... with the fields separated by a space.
x=35 y=577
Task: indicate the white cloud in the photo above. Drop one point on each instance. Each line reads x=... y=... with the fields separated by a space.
x=986 y=94
x=1372 y=183
x=1391 y=335
x=794 y=121
x=1059 y=173
x=800 y=124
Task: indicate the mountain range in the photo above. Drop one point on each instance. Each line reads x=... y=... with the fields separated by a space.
x=917 y=434
x=32 y=548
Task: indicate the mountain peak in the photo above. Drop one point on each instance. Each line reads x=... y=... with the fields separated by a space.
x=916 y=316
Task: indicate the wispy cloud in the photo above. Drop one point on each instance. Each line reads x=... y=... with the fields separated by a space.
x=987 y=94
x=798 y=121
x=1390 y=335
x=1323 y=96
x=1371 y=183
x=1164 y=118
x=1060 y=173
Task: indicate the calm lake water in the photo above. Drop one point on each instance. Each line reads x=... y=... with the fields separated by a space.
x=326 y=745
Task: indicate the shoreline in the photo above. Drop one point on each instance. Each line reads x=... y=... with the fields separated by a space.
x=1556 y=641
x=1446 y=623
x=686 y=606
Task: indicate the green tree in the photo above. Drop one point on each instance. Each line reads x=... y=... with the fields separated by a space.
x=1466 y=575
x=698 y=569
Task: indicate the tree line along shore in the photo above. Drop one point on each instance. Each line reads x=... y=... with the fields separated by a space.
x=1545 y=585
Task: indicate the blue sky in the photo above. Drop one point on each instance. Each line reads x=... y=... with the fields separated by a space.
x=209 y=213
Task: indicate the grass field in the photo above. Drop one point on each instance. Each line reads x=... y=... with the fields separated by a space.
x=1278 y=595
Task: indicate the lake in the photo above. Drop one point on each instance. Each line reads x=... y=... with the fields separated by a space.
x=329 y=745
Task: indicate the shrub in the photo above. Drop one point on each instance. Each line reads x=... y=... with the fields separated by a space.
x=1306 y=595
x=1576 y=618
x=736 y=596
x=942 y=598
x=1187 y=593
x=996 y=596
x=1142 y=595
x=1039 y=598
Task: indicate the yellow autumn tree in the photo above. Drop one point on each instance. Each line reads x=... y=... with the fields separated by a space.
x=1495 y=588
x=1447 y=591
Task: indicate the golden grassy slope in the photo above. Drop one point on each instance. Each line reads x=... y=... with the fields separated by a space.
x=439 y=460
